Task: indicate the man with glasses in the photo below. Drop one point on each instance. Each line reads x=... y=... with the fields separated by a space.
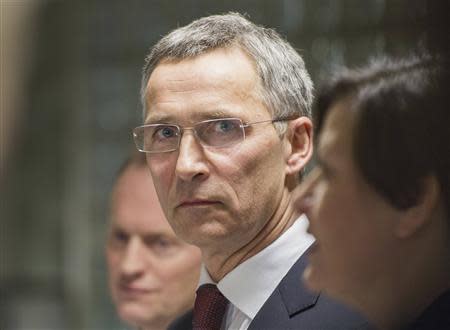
x=226 y=132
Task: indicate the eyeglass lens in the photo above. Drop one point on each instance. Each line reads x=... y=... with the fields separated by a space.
x=214 y=133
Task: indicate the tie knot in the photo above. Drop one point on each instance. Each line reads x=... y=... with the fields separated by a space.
x=209 y=308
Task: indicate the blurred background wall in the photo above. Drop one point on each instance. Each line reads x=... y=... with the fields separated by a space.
x=69 y=98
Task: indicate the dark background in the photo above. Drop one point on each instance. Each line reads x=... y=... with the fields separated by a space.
x=73 y=74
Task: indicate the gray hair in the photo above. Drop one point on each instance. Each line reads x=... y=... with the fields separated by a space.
x=286 y=85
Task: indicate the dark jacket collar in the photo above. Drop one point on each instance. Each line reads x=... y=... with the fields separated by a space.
x=297 y=298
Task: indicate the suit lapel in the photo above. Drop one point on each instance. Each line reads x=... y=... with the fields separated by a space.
x=289 y=298
x=296 y=297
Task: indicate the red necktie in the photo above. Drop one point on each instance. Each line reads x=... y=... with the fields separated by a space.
x=209 y=308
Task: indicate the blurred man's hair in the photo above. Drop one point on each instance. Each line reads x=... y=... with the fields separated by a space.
x=402 y=128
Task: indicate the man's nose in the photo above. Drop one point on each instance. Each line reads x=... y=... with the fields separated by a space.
x=191 y=162
x=133 y=262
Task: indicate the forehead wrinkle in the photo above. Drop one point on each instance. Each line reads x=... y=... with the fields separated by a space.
x=214 y=105
x=227 y=86
x=189 y=69
x=161 y=92
x=181 y=86
x=191 y=80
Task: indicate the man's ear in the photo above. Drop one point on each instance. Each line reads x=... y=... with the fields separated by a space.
x=418 y=216
x=299 y=144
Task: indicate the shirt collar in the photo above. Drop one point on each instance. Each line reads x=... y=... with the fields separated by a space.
x=251 y=283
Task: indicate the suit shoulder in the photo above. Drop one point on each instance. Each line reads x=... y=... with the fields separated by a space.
x=293 y=306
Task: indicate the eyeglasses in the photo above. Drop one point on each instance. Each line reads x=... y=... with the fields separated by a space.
x=218 y=133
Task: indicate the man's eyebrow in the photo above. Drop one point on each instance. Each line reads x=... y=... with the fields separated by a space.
x=153 y=237
x=219 y=113
x=205 y=115
x=116 y=227
x=157 y=119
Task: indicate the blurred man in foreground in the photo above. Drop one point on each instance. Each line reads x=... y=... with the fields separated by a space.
x=379 y=199
x=152 y=274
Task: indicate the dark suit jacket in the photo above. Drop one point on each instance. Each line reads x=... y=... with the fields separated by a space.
x=436 y=316
x=292 y=306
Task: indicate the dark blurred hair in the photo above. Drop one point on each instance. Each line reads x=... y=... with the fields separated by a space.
x=402 y=130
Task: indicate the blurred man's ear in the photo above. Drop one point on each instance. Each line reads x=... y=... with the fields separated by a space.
x=419 y=216
x=299 y=145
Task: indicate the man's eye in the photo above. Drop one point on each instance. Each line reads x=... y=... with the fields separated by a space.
x=162 y=246
x=119 y=237
x=165 y=132
x=162 y=243
x=224 y=126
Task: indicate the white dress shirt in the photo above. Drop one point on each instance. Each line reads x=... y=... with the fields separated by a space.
x=250 y=284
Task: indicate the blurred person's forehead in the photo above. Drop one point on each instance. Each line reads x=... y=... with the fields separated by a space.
x=135 y=203
x=338 y=127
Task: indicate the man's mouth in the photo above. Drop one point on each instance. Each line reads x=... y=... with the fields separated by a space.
x=197 y=203
x=134 y=290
